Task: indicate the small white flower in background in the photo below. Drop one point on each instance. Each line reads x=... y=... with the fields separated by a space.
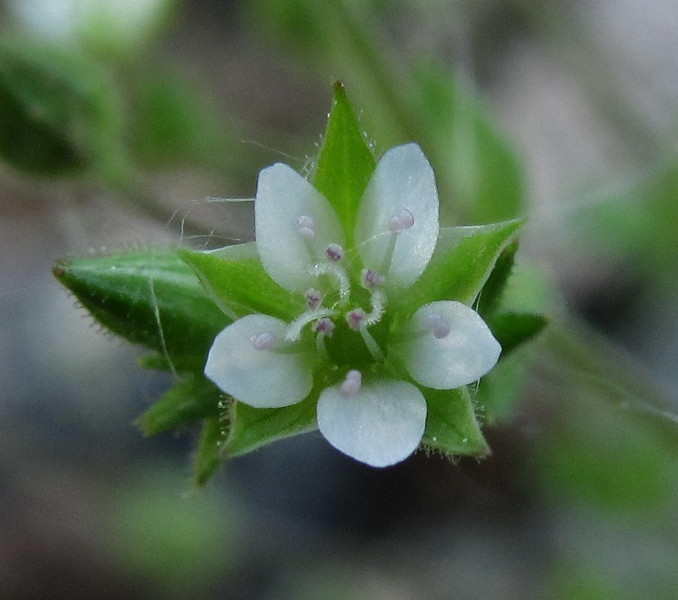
x=345 y=339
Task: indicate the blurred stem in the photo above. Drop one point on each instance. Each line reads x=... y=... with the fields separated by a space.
x=576 y=359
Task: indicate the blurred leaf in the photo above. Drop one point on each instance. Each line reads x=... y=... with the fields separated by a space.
x=476 y=168
x=173 y=121
x=191 y=398
x=345 y=163
x=602 y=458
x=208 y=455
x=463 y=260
x=59 y=113
x=255 y=427
x=451 y=424
x=637 y=226
x=238 y=283
x=149 y=297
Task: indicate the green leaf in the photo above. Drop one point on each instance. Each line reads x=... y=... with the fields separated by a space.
x=461 y=264
x=345 y=163
x=208 y=454
x=238 y=283
x=59 y=113
x=149 y=297
x=514 y=329
x=190 y=399
x=473 y=163
x=252 y=428
x=451 y=424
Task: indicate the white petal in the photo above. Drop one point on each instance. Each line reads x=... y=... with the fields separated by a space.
x=463 y=356
x=403 y=179
x=260 y=378
x=380 y=425
x=283 y=196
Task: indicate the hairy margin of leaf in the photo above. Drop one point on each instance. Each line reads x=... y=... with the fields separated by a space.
x=252 y=428
x=451 y=424
x=190 y=399
x=149 y=297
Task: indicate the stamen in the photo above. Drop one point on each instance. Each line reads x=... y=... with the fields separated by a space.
x=314 y=298
x=437 y=325
x=306 y=227
x=334 y=252
x=351 y=385
x=371 y=279
x=339 y=275
x=355 y=318
x=324 y=326
x=263 y=341
x=404 y=219
x=293 y=332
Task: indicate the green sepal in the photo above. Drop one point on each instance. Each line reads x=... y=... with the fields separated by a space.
x=59 y=112
x=252 y=428
x=451 y=424
x=492 y=292
x=345 y=163
x=514 y=329
x=461 y=264
x=209 y=451
x=149 y=297
x=239 y=284
x=190 y=399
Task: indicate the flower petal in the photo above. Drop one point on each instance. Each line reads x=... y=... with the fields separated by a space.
x=283 y=197
x=462 y=356
x=380 y=425
x=403 y=180
x=261 y=378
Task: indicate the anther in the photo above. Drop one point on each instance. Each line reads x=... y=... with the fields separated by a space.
x=324 y=326
x=306 y=227
x=355 y=318
x=334 y=252
x=263 y=341
x=403 y=219
x=371 y=279
x=439 y=327
x=314 y=298
x=351 y=385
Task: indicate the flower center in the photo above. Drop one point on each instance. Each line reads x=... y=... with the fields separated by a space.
x=333 y=299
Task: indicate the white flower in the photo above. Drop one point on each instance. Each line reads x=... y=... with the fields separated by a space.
x=346 y=340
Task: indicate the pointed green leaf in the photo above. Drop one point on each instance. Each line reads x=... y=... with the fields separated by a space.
x=461 y=264
x=238 y=283
x=345 y=163
x=208 y=455
x=190 y=399
x=514 y=329
x=149 y=297
x=451 y=424
x=255 y=427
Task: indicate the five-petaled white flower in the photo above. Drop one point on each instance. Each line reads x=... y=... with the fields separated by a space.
x=346 y=340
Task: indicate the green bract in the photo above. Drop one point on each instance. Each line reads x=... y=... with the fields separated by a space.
x=352 y=312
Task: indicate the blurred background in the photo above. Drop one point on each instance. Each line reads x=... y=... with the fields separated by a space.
x=120 y=122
